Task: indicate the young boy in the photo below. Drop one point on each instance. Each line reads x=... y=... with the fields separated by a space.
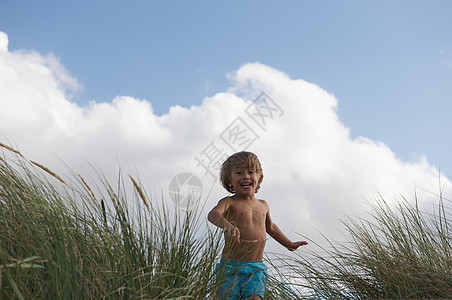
x=245 y=221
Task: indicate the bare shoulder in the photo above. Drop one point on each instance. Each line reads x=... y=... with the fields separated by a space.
x=264 y=203
x=224 y=199
x=225 y=202
x=222 y=204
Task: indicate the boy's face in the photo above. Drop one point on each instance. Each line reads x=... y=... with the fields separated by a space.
x=244 y=180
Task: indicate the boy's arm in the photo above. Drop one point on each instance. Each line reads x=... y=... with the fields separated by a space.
x=276 y=233
x=216 y=217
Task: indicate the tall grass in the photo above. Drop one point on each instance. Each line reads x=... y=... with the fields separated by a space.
x=66 y=239
x=63 y=241
x=395 y=253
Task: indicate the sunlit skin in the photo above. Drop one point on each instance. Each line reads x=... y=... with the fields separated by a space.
x=246 y=220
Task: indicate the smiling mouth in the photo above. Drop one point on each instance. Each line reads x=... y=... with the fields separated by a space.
x=245 y=184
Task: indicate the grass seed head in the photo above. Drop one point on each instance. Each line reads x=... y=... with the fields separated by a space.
x=49 y=171
x=140 y=192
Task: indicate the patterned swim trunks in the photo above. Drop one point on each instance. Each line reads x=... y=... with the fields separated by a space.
x=241 y=279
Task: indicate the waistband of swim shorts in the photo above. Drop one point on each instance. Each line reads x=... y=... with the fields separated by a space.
x=241 y=262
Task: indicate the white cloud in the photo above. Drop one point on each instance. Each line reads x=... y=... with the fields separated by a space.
x=314 y=172
x=3 y=42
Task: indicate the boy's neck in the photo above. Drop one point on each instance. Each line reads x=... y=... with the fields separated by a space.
x=243 y=197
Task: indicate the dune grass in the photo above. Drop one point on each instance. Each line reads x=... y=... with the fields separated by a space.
x=395 y=253
x=64 y=239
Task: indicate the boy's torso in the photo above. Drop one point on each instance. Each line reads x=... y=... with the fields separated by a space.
x=249 y=216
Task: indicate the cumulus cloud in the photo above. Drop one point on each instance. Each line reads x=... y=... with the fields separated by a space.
x=315 y=173
x=3 y=42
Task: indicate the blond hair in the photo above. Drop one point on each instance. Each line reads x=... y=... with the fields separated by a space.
x=240 y=159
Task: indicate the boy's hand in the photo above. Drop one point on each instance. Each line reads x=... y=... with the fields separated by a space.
x=234 y=232
x=295 y=245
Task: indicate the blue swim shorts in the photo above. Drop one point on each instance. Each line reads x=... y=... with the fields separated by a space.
x=241 y=279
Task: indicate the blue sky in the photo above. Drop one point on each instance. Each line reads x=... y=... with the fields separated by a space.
x=365 y=91
x=389 y=63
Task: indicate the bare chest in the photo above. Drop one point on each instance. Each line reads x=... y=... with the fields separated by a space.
x=247 y=214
